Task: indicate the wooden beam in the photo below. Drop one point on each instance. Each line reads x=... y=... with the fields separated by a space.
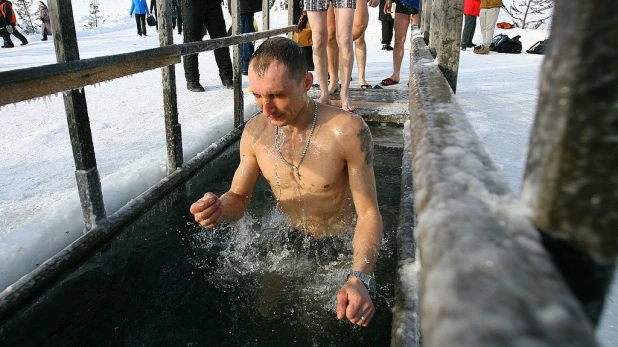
x=571 y=177
x=448 y=48
x=486 y=279
x=30 y=83
x=173 y=133
x=86 y=172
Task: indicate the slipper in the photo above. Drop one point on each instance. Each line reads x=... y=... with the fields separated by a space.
x=365 y=86
x=388 y=82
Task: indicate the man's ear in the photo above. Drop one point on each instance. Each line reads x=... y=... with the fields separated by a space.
x=308 y=81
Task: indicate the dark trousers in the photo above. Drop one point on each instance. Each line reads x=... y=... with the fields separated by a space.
x=140 y=20
x=247 y=49
x=195 y=15
x=468 y=31
x=387 y=31
x=7 y=37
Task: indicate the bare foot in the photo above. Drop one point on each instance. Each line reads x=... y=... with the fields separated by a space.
x=325 y=100
x=346 y=104
x=333 y=88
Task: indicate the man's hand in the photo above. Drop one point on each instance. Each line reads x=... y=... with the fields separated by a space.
x=9 y=29
x=354 y=303
x=373 y=3
x=208 y=210
x=388 y=7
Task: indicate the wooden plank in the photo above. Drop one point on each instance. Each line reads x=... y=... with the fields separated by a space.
x=24 y=84
x=203 y=46
x=571 y=177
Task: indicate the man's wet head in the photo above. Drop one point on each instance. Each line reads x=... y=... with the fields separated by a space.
x=279 y=80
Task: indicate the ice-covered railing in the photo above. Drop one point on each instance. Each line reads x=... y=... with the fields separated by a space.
x=69 y=77
x=485 y=277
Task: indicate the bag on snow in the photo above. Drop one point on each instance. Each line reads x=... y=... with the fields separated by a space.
x=503 y=44
x=538 y=48
x=505 y=25
x=151 y=21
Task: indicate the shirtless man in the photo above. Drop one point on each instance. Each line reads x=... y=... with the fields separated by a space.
x=318 y=160
x=344 y=14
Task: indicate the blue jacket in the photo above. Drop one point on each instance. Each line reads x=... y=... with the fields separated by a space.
x=139 y=6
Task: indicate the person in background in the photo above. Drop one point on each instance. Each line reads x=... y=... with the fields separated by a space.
x=344 y=14
x=178 y=16
x=153 y=10
x=208 y=14
x=488 y=16
x=404 y=12
x=302 y=37
x=387 y=27
x=471 y=10
x=141 y=10
x=45 y=20
x=174 y=14
x=359 y=25
x=247 y=10
x=336 y=186
x=8 y=25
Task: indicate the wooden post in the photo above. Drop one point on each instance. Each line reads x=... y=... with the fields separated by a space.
x=173 y=133
x=291 y=16
x=426 y=15
x=265 y=15
x=435 y=36
x=571 y=178
x=86 y=172
x=239 y=106
x=450 y=40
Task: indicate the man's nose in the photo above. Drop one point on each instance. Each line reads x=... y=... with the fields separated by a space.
x=267 y=107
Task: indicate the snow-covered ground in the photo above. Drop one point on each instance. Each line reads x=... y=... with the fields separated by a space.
x=39 y=207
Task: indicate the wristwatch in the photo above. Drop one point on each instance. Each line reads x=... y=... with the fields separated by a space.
x=368 y=280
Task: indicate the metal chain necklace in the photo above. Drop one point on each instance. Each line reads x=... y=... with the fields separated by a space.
x=302 y=156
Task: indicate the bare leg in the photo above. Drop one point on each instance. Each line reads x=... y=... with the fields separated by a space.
x=333 y=52
x=402 y=22
x=361 y=58
x=319 y=36
x=344 y=18
x=361 y=21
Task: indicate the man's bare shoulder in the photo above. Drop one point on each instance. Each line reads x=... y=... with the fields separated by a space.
x=344 y=125
x=256 y=126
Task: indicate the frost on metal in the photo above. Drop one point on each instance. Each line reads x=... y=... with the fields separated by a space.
x=485 y=279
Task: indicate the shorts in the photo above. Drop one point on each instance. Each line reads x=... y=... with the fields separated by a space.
x=405 y=9
x=322 y=5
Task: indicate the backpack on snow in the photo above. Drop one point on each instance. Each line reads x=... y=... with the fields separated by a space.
x=538 y=48
x=503 y=44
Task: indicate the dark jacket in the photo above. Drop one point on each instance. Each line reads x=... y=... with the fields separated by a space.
x=247 y=6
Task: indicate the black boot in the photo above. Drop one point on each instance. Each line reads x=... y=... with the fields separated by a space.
x=195 y=86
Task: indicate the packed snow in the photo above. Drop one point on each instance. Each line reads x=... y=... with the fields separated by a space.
x=39 y=208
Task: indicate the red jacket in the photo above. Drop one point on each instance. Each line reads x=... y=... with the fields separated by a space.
x=7 y=13
x=472 y=7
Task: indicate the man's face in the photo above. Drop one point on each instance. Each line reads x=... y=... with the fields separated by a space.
x=280 y=97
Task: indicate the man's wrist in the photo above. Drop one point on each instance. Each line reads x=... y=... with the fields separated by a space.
x=366 y=279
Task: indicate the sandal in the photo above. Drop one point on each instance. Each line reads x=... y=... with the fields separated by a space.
x=388 y=82
x=365 y=86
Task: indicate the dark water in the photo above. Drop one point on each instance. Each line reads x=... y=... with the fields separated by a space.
x=164 y=281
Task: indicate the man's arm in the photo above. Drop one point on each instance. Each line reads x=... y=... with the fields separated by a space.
x=354 y=301
x=211 y=210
